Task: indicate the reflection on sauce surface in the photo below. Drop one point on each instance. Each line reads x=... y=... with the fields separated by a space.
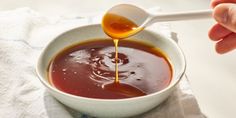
x=88 y=69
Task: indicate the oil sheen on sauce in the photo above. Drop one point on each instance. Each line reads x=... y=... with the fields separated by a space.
x=88 y=69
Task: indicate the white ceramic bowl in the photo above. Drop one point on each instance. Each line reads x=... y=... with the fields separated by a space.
x=111 y=107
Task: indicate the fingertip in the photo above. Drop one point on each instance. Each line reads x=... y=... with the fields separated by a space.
x=220 y=13
x=219 y=49
x=227 y=44
x=212 y=33
x=213 y=3
x=217 y=32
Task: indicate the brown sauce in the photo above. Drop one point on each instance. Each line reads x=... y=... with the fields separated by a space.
x=117 y=27
x=88 y=69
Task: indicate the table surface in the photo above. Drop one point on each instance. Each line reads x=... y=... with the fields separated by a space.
x=212 y=76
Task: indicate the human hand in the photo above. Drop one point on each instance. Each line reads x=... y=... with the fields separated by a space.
x=224 y=32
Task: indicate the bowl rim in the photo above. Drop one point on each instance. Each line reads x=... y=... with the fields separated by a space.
x=50 y=87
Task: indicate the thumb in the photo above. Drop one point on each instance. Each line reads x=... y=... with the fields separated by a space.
x=225 y=14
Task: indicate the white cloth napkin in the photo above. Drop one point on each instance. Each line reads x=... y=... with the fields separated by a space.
x=23 y=33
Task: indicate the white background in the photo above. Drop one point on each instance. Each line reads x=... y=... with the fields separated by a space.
x=212 y=76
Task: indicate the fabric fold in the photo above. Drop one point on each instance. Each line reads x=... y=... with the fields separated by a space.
x=23 y=34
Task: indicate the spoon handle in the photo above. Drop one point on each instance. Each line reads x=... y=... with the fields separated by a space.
x=191 y=15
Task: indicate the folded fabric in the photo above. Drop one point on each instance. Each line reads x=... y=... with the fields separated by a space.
x=23 y=34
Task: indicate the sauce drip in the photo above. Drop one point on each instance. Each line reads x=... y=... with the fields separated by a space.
x=116 y=41
x=117 y=27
